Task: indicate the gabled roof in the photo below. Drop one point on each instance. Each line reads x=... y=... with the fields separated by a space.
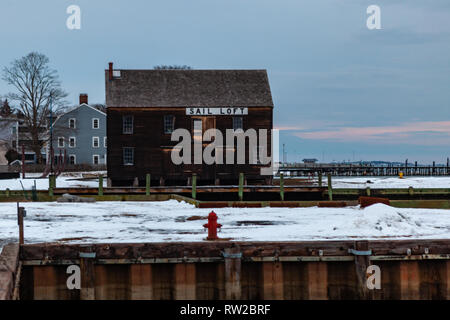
x=75 y=108
x=188 y=88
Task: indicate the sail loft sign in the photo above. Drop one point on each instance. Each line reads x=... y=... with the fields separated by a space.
x=227 y=111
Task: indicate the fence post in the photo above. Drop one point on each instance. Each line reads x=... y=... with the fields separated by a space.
x=33 y=192
x=330 y=188
x=241 y=186
x=281 y=187
x=51 y=185
x=20 y=214
x=100 y=185
x=147 y=184
x=320 y=178
x=194 y=186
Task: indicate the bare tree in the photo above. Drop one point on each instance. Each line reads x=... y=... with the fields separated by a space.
x=37 y=87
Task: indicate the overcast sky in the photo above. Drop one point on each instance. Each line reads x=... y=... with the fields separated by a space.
x=341 y=91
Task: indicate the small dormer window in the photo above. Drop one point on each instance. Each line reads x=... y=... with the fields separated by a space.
x=116 y=73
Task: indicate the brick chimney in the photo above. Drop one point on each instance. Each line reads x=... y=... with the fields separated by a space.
x=83 y=98
x=110 y=71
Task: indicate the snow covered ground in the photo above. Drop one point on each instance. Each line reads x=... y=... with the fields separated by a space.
x=178 y=221
x=67 y=179
x=391 y=182
x=70 y=180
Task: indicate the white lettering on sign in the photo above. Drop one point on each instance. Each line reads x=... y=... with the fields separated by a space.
x=228 y=111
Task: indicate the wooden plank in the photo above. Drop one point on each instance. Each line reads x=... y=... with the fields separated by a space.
x=447 y=279
x=317 y=275
x=272 y=281
x=45 y=283
x=409 y=280
x=433 y=282
x=185 y=281
x=141 y=286
x=163 y=282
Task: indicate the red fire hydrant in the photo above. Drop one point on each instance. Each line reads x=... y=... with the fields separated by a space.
x=212 y=226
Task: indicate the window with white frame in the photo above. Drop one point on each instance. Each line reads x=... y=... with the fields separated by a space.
x=95 y=143
x=60 y=142
x=95 y=123
x=127 y=124
x=128 y=156
x=95 y=159
x=72 y=142
x=72 y=123
x=104 y=142
x=72 y=159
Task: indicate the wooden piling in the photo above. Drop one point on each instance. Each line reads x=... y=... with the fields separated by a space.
x=241 y=186
x=320 y=178
x=233 y=289
x=281 y=187
x=87 y=273
x=194 y=186
x=20 y=215
x=330 y=188
x=100 y=185
x=51 y=184
x=147 y=184
x=361 y=264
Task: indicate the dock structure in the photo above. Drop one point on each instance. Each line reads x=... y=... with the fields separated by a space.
x=211 y=270
x=351 y=169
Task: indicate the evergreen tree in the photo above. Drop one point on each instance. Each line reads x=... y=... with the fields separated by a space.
x=5 y=110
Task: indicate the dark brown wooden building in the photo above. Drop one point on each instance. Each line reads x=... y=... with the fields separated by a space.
x=144 y=107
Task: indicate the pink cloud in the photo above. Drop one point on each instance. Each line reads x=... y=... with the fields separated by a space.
x=429 y=132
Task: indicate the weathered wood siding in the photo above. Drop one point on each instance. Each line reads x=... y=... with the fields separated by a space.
x=153 y=147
